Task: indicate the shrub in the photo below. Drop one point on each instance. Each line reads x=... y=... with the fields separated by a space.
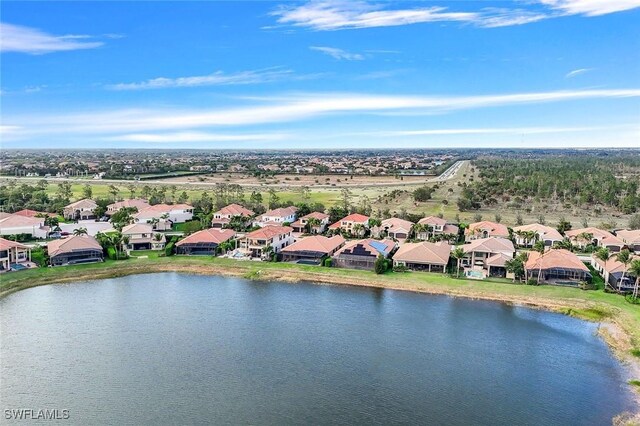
x=327 y=262
x=532 y=281
x=111 y=253
x=168 y=249
x=39 y=257
x=380 y=266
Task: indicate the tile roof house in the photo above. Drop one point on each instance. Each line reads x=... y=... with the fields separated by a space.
x=546 y=234
x=80 y=210
x=142 y=237
x=137 y=203
x=300 y=225
x=73 y=250
x=12 y=253
x=486 y=257
x=612 y=273
x=204 y=242
x=33 y=213
x=362 y=254
x=485 y=229
x=278 y=216
x=598 y=237
x=556 y=266
x=630 y=238
x=222 y=217
x=395 y=228
x=271 y=238
x=348 y=223
x=312 y=249
x=433 y=226
x=15 y=224
x=423 y=256
x=163 y=216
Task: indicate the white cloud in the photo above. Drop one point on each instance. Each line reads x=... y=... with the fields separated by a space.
x=327 y=15
x=196 y=137
x=338 y=54
x=218 y=78
x=16 y=38
x=282 y=109
x=592 y=7
x=577 y=72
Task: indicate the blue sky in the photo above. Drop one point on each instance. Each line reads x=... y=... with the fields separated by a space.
x=333 y=74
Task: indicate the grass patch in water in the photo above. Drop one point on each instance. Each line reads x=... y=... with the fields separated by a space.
x=252 y=275
x=635 y=352
x=634 y=382
x=589 y=314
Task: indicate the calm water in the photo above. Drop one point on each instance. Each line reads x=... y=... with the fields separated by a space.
x=180 y=349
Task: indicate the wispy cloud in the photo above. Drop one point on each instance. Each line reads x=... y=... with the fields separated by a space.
x=181 y=137
x=591 y=7
x=327 y=15
x=577 y=72
x=484 y=130
x=218 y=78
x=287 y=108
x=338 y=54
x=16 y=38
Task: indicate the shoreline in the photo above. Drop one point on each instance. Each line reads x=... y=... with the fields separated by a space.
x=613 y=326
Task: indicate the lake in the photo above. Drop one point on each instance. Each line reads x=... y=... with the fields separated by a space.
x=185 y=349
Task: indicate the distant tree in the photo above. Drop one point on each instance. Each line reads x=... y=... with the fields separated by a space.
x=519 y=220
x=634 y=221
x=87 y=192
x=183 y=198
x=113 y=190
x=563 y=225
x=477 y=217
x=422 y=194
x=498 y=217
x=132 y=190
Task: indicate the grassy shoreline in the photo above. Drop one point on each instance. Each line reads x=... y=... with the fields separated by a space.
x=620 y=320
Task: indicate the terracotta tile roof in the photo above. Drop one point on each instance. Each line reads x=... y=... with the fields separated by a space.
x=545 y=232
x=450 y=229
x=629 y=237
x=85 y=203
x=138 y=228
x=33 y=213
x=354 y=217
x=138 y=203
x=316 y=215
x=494 y=229
x=424 y=252
x=235 y=210
x=373 y=247
x=613 y=264
x=211 y=235
x=269 y=232
x=489 y=245
x=605 y=237
x=555 y=258
x=7 y=244
x=432 y=220
x=16 y=221
x=281 y=212
x=73 y=243
x=498 y=259
x=395 y=223
x=317 y=243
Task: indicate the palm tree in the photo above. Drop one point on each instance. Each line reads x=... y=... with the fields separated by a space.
x=635 y=270
x=225 y=246
x=586 y=237
x=312 y=223
x=80 y=231
x=458 y=254
x=358 y=228
x=625 y=258
x=604 y=255
x=540 y=248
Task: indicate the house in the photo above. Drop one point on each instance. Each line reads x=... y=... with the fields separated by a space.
x=163 y=216
x=300 y=225
x=423 y=256
x=351 y=223
x=204 y=242
x=33 y=213
x=612 y=272
x=394 y=228
x=269 y=239
x=222 y=217
x=362 y=254
x=433 y=226
x=142 y=237
x=630 y=238
x=13 y=255
x=136 y=203
x=598 y=237
x=312 y=249
x=278 y=217
x=556 y=266
x=73 y=250
x=15 y=225
x=486 y=257
x=80 y=210
x=546 y=234
x=485 y=229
